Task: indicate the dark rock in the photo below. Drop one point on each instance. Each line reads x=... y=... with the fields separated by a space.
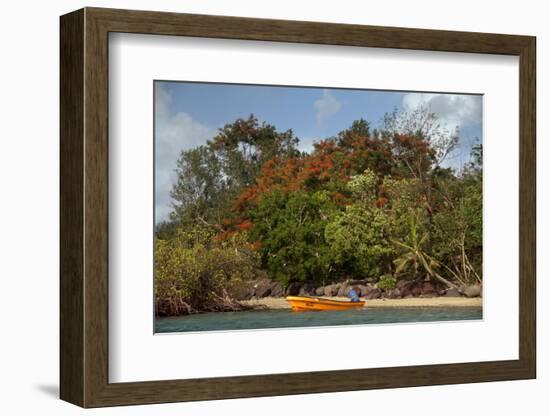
x=416 y=288
x=472 y=291
x=293 y=289
x=452 y=293
x=363 y=289
x=401 y=283
x=392 y=294
x=428 y=288
x=307 y=290
x=262 y=288
x=406 y=291
x=405 y=288
x=342 y=289
x=367 y=289
x=331 y=290
x=375 y=293
x=440 y=288
x=241 y=292
x=276 y=290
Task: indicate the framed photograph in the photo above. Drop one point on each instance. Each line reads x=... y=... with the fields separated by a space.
x=254 y=207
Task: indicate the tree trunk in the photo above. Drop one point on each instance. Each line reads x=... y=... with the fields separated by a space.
x=443 y=280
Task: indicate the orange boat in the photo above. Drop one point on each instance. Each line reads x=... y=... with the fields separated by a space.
x=307 y=303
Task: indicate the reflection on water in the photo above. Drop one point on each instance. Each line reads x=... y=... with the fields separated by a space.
x=227 y=321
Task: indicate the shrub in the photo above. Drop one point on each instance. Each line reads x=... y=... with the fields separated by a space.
x=194 y=273
x=386 y=282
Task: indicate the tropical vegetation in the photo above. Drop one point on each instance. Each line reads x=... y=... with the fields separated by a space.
x=368 y=204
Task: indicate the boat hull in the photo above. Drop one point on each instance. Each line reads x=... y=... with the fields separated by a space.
x=306 y=303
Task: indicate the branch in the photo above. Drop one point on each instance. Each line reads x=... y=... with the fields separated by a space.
x=215 y=226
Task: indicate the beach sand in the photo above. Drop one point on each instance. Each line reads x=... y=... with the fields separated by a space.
x=438 y=302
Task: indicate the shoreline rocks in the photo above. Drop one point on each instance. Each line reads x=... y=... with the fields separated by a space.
x=472 y=291
x=264 y=287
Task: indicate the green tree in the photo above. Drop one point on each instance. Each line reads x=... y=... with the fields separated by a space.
x=201 y=192
x=359 y=237
x=290 y=230
x=423 y=125
x=243 y=146
x=210 y=177
x=358 y=241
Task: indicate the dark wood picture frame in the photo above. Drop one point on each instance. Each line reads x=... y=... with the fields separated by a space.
x=84 y=207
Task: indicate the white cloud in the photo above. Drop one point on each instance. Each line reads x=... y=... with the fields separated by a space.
x=306 y=143
x=326 y=106
x=453 y=110
x=173 y=133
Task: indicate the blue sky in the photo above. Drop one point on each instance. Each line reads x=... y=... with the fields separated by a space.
x=312 y=113
x=188 y=114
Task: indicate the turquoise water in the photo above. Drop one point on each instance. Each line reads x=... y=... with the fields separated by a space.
x=227 y=321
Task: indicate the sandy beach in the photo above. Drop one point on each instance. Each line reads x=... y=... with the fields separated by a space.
x=450 y=302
